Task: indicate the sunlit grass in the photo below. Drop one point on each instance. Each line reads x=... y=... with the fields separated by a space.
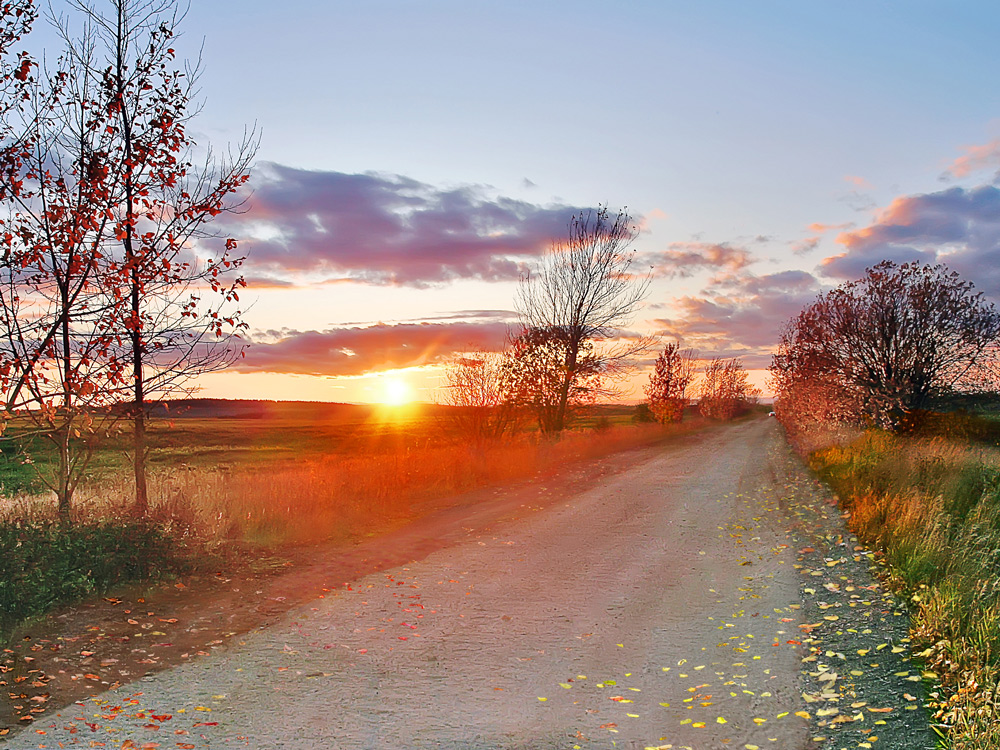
x=271 y=483
x=226 y=492
x=932 y=508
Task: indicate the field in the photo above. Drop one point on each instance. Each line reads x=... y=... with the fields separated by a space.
x=235 y=482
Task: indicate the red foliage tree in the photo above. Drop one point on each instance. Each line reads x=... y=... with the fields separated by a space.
x=668 y=383
x=884 y=347
x=113 y=288
x=725 y=391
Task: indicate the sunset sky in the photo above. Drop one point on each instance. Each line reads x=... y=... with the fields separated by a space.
x=417 y=156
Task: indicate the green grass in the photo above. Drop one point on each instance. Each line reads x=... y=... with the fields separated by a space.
x=931 y=506
x=43 y=564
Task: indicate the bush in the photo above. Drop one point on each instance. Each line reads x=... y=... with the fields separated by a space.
x=43 y=564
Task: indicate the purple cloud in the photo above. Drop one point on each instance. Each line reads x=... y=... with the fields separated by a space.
x=387 y=229
x=743 y=317
x=958 y=227
x=684 y=259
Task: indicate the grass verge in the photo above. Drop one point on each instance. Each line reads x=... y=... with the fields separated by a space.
x=43 y=564
x=932 y=509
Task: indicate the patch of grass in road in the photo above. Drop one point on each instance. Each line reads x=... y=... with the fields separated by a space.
x=932 y=508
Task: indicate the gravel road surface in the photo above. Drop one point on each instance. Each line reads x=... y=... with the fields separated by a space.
x=659 y=609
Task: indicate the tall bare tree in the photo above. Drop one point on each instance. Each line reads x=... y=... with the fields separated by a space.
x=891 y=342
x=577 y=302
x=667 y=389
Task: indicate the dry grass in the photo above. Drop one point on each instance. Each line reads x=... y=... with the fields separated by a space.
x=932 y=507
x=337 y=495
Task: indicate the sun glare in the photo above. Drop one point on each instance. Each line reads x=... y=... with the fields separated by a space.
x=396 y=392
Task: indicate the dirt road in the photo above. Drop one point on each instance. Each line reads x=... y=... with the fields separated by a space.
x=659 y=608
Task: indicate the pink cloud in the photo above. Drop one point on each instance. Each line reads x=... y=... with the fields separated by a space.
x=744 y=318
x=958 y=227
x=684 y=259
x=824 y=228
x=859 y=182
x=359 y=350
x=986 y=156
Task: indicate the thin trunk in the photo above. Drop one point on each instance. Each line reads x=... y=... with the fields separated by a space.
x=139 y=408
x=63 y=491
x=141 y=506
x=64 y=495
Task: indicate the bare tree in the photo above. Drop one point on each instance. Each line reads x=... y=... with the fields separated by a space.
x=668 y=383
x=578 y=301
x=725 y=391
x=480 y=387
x=891 y=342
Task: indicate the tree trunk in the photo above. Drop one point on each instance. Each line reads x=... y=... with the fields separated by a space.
x=64 y=493
x=141 y=506
x=568 y=377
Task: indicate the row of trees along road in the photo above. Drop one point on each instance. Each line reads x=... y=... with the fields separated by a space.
x=573 y=346
x=723 y=393
x=113 y=288
x=886 y=347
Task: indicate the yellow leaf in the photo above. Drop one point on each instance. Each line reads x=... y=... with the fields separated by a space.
x=802 y=714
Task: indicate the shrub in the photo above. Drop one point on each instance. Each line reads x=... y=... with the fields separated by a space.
x=43 y=564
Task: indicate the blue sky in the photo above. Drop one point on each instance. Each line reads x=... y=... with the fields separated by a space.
x=755 y=141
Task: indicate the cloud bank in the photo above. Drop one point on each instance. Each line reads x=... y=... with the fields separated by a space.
x=386 y=229
x=959 y=227
x=361 y=350
x=684 y=259
x=741 y=317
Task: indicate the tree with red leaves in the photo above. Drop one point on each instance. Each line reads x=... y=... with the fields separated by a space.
x=883 y=348
x=668 y=383
x=111 y=221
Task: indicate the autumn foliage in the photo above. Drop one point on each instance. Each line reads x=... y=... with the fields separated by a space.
x=725 y=392
x=882 y=349
x=667 y=389
x=113 y=288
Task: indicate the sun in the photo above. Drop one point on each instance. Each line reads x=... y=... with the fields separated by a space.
x=396 y=392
